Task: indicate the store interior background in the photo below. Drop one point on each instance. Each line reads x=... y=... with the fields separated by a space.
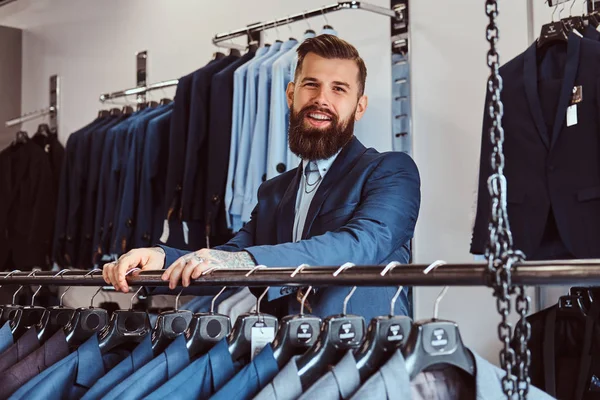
x=91 y=45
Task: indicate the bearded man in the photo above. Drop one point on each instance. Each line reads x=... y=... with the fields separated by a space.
x=343 y=203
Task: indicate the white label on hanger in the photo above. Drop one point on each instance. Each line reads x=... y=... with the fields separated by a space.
x=165 y=233
x=260 y=337
x=572 y=115
x=186 y=233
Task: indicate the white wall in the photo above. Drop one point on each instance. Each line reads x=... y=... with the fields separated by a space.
x=91 y=45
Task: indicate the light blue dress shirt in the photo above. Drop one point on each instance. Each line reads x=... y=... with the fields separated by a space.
x=239 y=93
x=303 y=199
x=6 y=337
x=292 y=159
x=71 y=377
x=201 y=378
x=257 y=163
x=155 y=373
x=140 y=356
x=248 y=121
x=250 y=380
x=280 y=113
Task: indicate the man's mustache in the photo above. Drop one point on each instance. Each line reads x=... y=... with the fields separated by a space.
x=308 y=109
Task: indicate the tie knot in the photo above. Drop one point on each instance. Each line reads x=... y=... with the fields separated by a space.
x=312 y=167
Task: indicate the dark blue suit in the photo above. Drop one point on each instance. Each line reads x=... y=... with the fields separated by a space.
x=364 y=212
x=553 y=187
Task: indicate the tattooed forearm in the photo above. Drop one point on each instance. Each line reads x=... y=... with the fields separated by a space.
x=230 y=260
x=158 y=250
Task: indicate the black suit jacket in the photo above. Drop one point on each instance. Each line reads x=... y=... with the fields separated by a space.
x=549 y=166
x=219 y=140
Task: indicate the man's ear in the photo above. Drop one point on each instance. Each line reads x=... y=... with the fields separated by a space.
x=289 y=94
x=361 y=107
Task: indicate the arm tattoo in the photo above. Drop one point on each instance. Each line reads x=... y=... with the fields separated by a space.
x=158 y=249
x=238 y=260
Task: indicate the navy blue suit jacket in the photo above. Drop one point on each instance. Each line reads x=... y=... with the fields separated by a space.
x=364 y=212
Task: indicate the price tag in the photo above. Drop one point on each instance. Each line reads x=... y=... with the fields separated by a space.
x=165 y=233
x=186 y=233
x=260 y=337
x=572 y=115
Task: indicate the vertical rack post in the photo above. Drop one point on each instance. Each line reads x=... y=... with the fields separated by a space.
x=54 y=103
x=141 y=74
x=401 y=107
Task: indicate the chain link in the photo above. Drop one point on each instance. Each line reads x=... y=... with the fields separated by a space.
x=499 y=253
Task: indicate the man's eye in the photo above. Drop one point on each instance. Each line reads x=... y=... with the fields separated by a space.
x=311 y=84
x=339 y=89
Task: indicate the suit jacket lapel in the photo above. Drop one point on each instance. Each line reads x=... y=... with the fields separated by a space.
x=571 y=68
x=530 y=81
x=287 y=209
x=343 y=163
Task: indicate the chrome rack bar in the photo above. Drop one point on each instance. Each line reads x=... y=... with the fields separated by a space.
x=52 y=110
x=138 y=90
x=342 y=5
x=529 y=273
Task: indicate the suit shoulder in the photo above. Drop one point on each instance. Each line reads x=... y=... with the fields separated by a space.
x=279 y=181
x=393 y=160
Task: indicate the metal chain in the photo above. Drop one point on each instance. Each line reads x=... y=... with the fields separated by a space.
x=500 y=254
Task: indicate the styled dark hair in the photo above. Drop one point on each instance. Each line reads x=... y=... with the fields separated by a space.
x=330 y=47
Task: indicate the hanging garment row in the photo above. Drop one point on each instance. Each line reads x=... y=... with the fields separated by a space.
x=29 y=176
x=184 y=173
x=199 y=355
x=551 y=141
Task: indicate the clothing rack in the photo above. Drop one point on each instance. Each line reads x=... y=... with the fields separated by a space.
x=253 y=29
x=51 y=110
x=529 y=273
x=138 y=90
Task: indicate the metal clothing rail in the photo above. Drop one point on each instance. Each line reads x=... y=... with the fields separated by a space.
x=29 y=116
x=530 y=273
x=52 y=110
x=342 y=5
x=138 y=90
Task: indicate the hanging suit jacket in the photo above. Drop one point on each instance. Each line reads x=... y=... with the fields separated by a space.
x=549 y=165
x=364 y=211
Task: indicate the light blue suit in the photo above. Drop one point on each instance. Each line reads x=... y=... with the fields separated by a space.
x=258 y=152
x=249 y=119
x=239 y=95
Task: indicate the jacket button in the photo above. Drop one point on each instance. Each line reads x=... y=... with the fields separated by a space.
x=129 y=223
x=146 y=237
x=281 y=168
x=215 y=198
x=264 y=177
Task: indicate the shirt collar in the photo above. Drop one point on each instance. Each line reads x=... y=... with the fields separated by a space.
x=221 y=364
x=328 y=31
x=324 y=165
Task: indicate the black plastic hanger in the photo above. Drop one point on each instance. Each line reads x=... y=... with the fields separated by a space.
x=21 y=137
x=54 y=318
x=43 y=129
x=435 y=342
x=127 y=110
x=297 y=333
x=206 y=330
x=9 y=311
x=586 y=294
x=103 y=113
x=29 y=315
x=141 y=106
x=574 y=22
x=217 y=55
x=554 y=32
x=169 y=325
x=339 y=333
x=240 y=339
x=165 y=101
x=115 y=112
x=124 y=327
x=571 y=306
x=86 y=321
x=384 y=335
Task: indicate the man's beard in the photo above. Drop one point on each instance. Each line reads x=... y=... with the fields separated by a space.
x=311 y=143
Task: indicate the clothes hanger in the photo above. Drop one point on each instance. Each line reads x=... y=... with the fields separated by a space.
x=384 y=335
x=86 y=321
x=125 y=326
x=206 y=329
x=554 y=32
x=326 y=26
x=239 y=340
x=9 y=312
x=55 y=317
x=127 y=110
x=297 y=333
x=252 y=44
x=169 y=325
x=290 y=28
x=592 y=18
x=435 y=341
x=574 y=22
x=309 y=28
x=29 y=315
x=571 y=306
x=586 y=294
x=43 y=129
x=21 y=137
x=339 y=333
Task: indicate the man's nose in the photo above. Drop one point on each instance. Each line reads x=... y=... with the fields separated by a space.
x=321 y=99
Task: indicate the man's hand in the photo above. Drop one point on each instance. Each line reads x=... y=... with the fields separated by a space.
x=192 y=265
x=148 y=259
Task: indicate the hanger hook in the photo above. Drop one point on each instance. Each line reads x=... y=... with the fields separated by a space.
x=35 y=293
x=436 y=304
x=20 y=288
x=324 y=16
x=553 y=11
x=387 y=269
x=341 y=269
x=276 y=29
x=561 y=10
x=177 y=300
x=263 y=293
x=133 y=297
x=296 y=272
x=289 y=26
x=583 y=7
x=97 y=291
x=571 y=8
x=212 y=303
x=61 y=273
x=305 y=20
x=10 y=273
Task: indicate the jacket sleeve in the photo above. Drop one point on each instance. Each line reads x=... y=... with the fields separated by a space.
x=383 y=221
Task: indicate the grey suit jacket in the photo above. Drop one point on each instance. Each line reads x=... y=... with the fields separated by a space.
x=392 y=382
x=339 y=383
x=285 y=386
